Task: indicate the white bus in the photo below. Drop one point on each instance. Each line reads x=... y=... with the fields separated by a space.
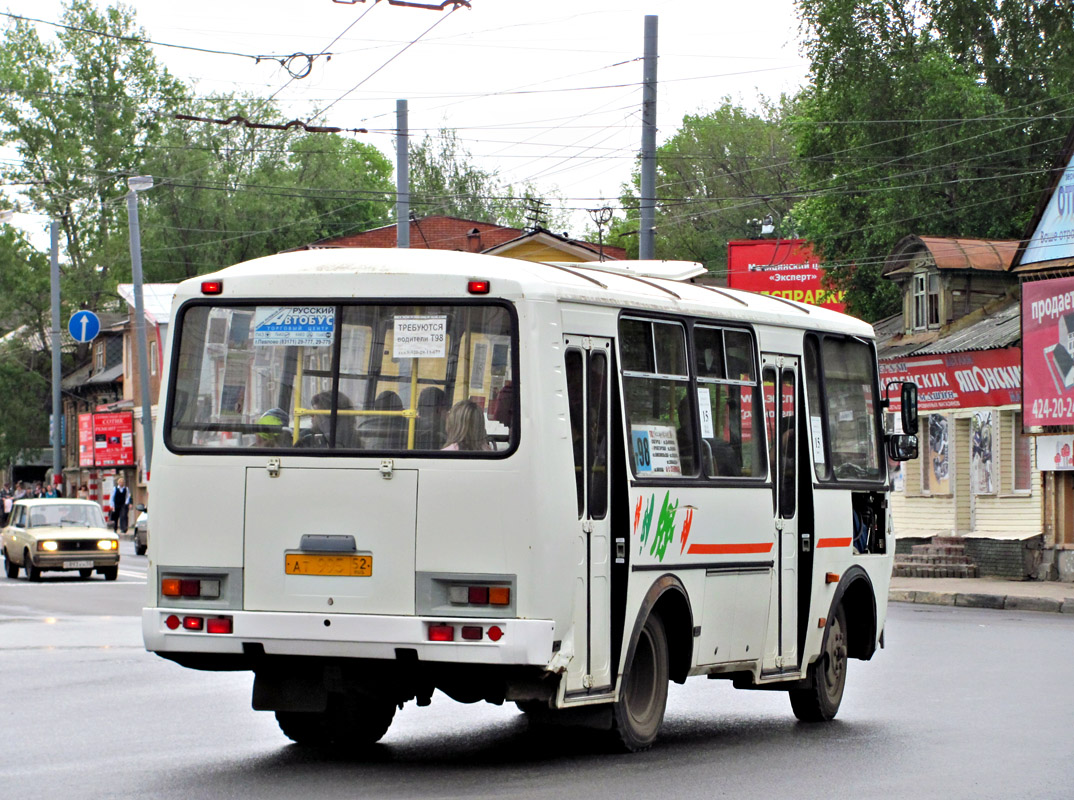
x=380 y=473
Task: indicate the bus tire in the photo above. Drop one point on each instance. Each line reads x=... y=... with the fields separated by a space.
x=827 y=676
x=639 y=712
x=348 y=721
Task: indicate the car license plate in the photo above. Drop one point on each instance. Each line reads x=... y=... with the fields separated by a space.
x=346 y=566
x=77 y=564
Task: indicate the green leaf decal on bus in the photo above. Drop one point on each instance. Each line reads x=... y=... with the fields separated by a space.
x=665 y=527
x=647 y=521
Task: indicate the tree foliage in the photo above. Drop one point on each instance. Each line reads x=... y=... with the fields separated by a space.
x=924 y=117
x=227 y=194
x=718 y=173
x=445 y=180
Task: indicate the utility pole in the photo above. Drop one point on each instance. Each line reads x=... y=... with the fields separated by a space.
x=648 y=143
x=402 y=177
x=137 y=184
x=57 y=422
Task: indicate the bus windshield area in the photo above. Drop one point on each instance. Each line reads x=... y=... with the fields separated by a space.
x=356 y=377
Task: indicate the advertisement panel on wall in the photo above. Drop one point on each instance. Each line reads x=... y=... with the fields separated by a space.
x=85 y=440
x=974 y=379
x=784 y=268
x=1048 y=352
x=1054 y=234
x=106 y=440
x=113 y=439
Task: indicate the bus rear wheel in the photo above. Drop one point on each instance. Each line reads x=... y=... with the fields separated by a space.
x=639 y=712
x=827 y=676
x=357 y=720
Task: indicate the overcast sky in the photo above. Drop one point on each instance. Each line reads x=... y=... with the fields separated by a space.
x=544 y=91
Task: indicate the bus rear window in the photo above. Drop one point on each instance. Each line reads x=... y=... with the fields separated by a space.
x=359 y=378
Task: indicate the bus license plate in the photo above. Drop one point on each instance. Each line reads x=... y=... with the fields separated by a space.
x=346 y=566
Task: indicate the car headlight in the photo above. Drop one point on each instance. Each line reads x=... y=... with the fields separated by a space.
x=51 y=546
x=107 y=544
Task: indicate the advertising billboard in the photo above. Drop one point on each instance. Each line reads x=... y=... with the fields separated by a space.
x=975 y=379
x=85 y=440
x=1054 y=235
x=1048 y=352
x=106 y=440
x=784 y=268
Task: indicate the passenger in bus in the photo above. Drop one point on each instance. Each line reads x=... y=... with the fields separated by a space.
x=432 y=419
x=466 y=427
x=320 y=425
x=383 y=432
x=273 y=431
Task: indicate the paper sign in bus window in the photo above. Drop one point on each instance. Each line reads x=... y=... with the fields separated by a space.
x=420 y=337
x=308 y=326
x=656 y=450
x=704 y=404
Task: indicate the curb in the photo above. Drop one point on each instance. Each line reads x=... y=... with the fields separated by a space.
x=975 y=600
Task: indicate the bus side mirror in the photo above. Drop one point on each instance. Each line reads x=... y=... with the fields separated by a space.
x=909 y=410
x=902 y=447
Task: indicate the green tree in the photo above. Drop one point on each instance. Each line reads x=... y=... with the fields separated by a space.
x=80 y=111
x=920 y=118
x=226 y=194
x=25 y=357
x=717 y=173
x=445 y=180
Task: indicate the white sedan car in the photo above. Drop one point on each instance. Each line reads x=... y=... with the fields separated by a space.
x=59 y=534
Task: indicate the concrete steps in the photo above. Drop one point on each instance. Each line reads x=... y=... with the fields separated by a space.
x=942 y=557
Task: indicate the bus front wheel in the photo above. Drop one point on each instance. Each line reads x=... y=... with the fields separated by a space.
x=639 y=712
x=357 y=720
x=827 y=676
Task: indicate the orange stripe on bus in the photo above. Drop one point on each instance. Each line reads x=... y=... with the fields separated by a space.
x=721 y=549
x=833 y=542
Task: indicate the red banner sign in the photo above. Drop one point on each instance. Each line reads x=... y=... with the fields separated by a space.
x=1048 y=352
x=85 y=440
x=106 y=440
x=784 y=268
x=977 y=379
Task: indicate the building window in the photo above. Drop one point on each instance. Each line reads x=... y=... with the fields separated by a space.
x=152 y=358
x=935 y=463
x=926 y=294
x=1022 y=459
x=98 y=358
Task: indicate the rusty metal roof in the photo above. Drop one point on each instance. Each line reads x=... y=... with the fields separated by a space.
x=999 y=328
x=982 y=255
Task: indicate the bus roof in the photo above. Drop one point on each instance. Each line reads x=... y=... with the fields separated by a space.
x=330 y=273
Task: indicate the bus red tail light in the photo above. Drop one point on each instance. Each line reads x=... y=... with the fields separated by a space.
x=441 y=633
x=193 y=623
x=462 y=595
x=472 y=632
x=218 y=625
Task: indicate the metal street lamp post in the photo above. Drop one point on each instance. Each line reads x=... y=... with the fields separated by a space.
x=139 y=184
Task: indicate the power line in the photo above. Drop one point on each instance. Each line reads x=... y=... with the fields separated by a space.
x=285 y=60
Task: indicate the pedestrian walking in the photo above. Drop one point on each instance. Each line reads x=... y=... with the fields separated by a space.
x=121 y=500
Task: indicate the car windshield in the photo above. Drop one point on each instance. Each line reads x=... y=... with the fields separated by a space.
x=84 y=516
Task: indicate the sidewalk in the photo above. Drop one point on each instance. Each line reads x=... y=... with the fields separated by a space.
x=985 y=593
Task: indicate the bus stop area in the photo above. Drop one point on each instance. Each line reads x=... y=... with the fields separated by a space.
x=1053 y=596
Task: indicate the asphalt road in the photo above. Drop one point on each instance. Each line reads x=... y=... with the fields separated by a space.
x=963 y=703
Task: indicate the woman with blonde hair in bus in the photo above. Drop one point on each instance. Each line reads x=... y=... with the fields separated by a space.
x=465 y=427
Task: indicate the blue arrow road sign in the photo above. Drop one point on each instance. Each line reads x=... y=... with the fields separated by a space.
x=84 y=326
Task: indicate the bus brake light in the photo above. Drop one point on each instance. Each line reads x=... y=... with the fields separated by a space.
x=478 y=287
x=212 y=287
x=441 y=633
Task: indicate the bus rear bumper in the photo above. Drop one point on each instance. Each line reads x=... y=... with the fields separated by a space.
x=503 y=641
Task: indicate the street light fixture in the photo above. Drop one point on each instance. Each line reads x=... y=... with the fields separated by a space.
x=139 y=183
